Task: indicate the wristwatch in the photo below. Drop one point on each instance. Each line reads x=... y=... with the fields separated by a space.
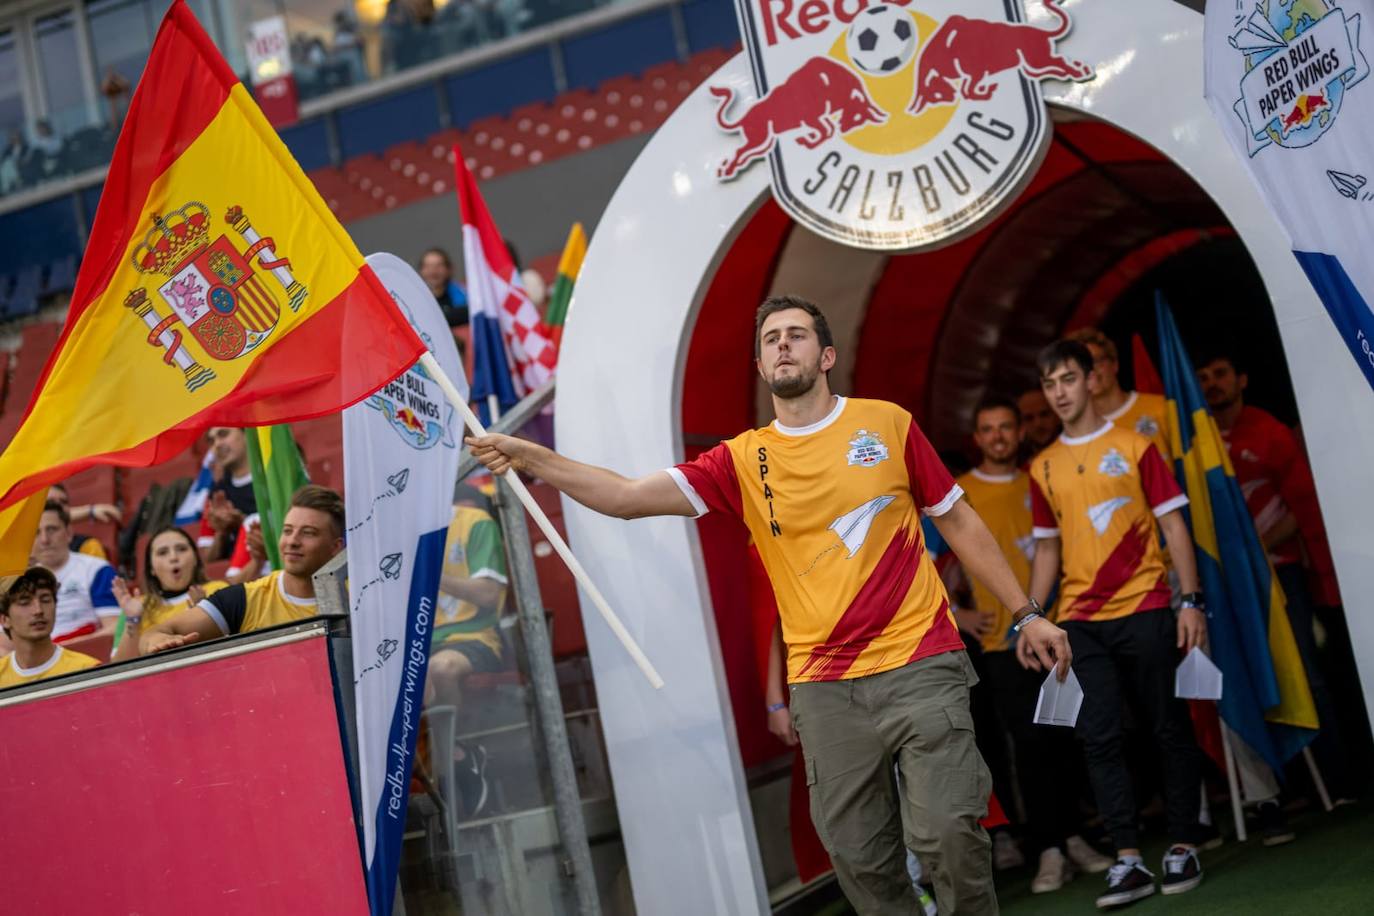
x=1193 y=600
x=1025 y=614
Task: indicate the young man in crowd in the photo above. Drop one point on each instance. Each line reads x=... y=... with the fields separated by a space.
x=1099 y=497
x=1000 y=493
x=832 y=493
x=436 y=269
x=311 y=534
x=1272 y=470
x=85 y=584
x=1136 y=410
x=231 y=498
x=466 y=639
x=28 y=611
x=1039 y=422
x=100 y=512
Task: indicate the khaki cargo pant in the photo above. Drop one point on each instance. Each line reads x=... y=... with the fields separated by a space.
x=916 y=717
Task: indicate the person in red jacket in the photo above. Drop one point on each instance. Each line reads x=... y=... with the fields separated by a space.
x=1272 y=470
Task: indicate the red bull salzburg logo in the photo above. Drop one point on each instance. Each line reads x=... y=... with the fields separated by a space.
x=894 y=125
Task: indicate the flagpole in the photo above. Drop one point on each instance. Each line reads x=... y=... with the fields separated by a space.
x=559 y=545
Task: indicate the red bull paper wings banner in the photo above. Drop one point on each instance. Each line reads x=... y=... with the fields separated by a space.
x=895 y=125
x=1287 y=81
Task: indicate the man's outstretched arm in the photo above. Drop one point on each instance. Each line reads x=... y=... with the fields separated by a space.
x=599 y=489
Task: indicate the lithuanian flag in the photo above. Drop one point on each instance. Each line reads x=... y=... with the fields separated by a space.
x=569 y=266
x=216 y=290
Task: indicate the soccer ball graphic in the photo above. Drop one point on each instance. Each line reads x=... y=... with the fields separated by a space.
x=881 y=39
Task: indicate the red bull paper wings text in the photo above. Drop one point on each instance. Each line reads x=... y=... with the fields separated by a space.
x=895 y=125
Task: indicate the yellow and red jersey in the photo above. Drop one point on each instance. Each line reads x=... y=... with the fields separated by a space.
x=1003 y=503
x=834 y=509
x=1100 y=494
x=62 y=661
x=1144 y=413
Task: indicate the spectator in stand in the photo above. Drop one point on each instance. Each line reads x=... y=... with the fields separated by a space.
x=173 y=580
x=1272 y=470
x=466 y=639
x=1099 y=498
x=99 y=512
x=1039 y=423
x=115 y=88
x=47 y=146
x=85 y=594
x=1000 y=493
x=249 y=560
x=311 y=534
x=11 y=161
x=28 y=612
x=348 y=47
x=231 y=498
x=1137 y=410
x=436 y=269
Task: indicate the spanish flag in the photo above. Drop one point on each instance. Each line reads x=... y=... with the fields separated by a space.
x=216 y=290
x=1266 y=700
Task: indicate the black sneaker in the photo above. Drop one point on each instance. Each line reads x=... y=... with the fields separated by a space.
x=471 y=775
x=1182 y=870
x=1273 y=826
x=1127 y=882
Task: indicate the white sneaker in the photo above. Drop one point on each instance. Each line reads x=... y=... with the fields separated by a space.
x=1085 y=858
x=1055 y=871
x=1005 y=853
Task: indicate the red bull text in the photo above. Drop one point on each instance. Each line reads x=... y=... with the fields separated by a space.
x=894 y=125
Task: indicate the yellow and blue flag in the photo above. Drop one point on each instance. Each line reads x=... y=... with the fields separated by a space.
x=1265 y=696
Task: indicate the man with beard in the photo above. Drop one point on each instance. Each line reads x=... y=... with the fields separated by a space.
x=1039 y=423
x=1100 y=496
x=832 y=493
x=1273 y=473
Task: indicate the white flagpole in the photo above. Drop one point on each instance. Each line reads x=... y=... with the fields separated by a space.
x=516 y=484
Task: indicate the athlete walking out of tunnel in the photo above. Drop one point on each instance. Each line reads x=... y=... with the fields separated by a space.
x=831 y=493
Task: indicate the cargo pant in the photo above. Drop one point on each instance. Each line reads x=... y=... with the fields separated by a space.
x=916 y=716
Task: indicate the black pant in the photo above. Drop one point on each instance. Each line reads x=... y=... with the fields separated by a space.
x=1134 y=658
x=1046 y=756
x=1328 y=747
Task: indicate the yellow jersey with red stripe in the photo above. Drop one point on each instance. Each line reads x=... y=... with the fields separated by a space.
x=1002 y=501
x=63 y=661
x=1100 y=494
x=834 y=509
x=1144 y=413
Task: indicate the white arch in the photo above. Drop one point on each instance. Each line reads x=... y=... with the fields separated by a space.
x=680 y=789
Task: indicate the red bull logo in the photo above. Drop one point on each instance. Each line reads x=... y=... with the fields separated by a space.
x=895 y=125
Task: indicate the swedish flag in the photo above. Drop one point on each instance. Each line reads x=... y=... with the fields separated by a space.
x=1265 y=697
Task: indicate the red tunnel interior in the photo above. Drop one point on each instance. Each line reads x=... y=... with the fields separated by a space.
x=1105 y=223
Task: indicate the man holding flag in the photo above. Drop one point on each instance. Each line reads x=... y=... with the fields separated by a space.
x=1099 y=497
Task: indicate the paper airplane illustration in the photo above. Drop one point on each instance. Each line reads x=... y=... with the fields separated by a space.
x=1257 y=35
x=399 y=479
x=1101 y=514
x=1346 y=185
x=852 y=527
x=391 y=566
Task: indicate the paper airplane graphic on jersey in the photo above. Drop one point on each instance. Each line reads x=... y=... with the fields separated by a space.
x=1346 y=185
x=852 y=527
x=1101 y=514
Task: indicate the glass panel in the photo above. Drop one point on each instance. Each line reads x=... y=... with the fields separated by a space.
x=121 y=34
x=11 y=117
x=59 y=68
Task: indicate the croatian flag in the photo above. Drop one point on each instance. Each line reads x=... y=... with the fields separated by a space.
x=1288 y=82
x=401 y=449
x=513 y=351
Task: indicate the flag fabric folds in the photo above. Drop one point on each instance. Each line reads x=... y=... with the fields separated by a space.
x=193 y=505
x=216 y=289
x=278 y=472
x=1267 y=700
x=513 y=352
x=569 y=266
x=1292 y=93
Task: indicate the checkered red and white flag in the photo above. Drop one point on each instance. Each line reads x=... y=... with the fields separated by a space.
x=513 y=350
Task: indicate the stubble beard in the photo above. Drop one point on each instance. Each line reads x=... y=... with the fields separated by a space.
x=794 y=386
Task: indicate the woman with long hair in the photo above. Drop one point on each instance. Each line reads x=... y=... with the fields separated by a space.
x=173 y=580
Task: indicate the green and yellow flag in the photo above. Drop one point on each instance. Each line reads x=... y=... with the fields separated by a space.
x=569 y=266
x=278 y=472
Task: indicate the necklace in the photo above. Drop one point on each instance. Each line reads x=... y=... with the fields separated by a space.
x=1076 y=458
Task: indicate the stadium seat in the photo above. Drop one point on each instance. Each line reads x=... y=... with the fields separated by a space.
x=61 y=276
